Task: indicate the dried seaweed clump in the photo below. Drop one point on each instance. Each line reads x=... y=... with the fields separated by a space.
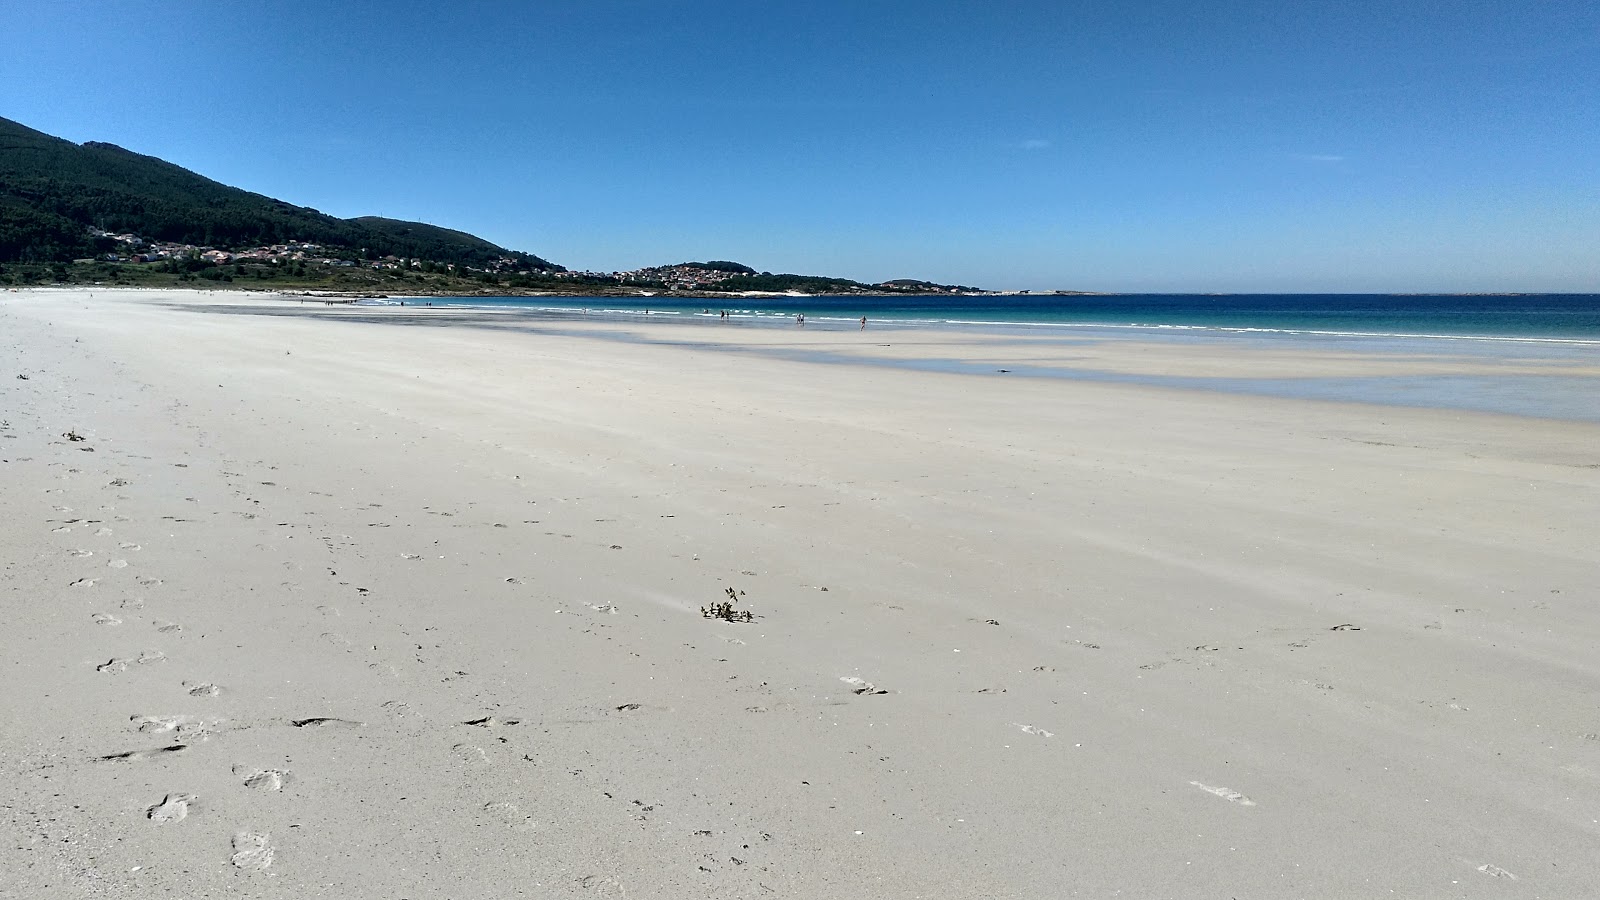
x=725 y=610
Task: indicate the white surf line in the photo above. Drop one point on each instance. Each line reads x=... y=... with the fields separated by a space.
x=1226 y=794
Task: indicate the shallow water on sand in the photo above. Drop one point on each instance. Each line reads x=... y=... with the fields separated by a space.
x=1487 y=373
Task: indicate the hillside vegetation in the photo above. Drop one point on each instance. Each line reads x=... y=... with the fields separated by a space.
x=54 y=193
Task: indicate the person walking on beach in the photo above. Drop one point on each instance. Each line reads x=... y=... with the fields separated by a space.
x=863 y=323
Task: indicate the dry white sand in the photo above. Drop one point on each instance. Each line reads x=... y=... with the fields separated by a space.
x=332 y=608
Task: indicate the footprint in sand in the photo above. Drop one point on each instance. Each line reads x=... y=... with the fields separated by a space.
x=493 y=722
x=1229 y=795
x=102 y=532
x=84 y=582
x=1034 y=729
x=106 y=619
x=263 y=779
x=602 y=885
x=149 y=582
x=204 y=689
x=167 y=627
x=324 y=722
x=80 y=554
x=470 y=754
x=861 y=685
x=251 y=851
x=511 y=815
x=140 y=755
x=398 y=708
x=175 y=808
x=120 y=664
x=126 y=545
x=159 y=724
x=190 y=727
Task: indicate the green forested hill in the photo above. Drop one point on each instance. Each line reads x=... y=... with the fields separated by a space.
x=52 y=192
x=421 y=234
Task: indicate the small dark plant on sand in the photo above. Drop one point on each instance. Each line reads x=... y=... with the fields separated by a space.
x=73 y=436
x=725 y=610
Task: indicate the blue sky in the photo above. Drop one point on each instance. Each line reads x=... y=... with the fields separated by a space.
x=1159 y=146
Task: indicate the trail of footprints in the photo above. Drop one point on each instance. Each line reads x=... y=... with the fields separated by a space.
x=251 y=851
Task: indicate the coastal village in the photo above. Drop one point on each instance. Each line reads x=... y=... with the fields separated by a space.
x=133 y=248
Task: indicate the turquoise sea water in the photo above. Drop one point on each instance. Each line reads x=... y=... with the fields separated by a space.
x=1558 y=316
x=1556 y=334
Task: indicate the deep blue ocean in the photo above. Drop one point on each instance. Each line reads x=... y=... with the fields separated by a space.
x=1559 y=316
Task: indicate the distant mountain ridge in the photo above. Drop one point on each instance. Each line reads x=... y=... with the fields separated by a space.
x=54 y=192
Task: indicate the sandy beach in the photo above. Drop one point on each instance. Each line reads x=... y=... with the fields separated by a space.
x=343 y=602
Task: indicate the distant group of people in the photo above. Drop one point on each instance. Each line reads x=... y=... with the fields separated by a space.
x=799 y=319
